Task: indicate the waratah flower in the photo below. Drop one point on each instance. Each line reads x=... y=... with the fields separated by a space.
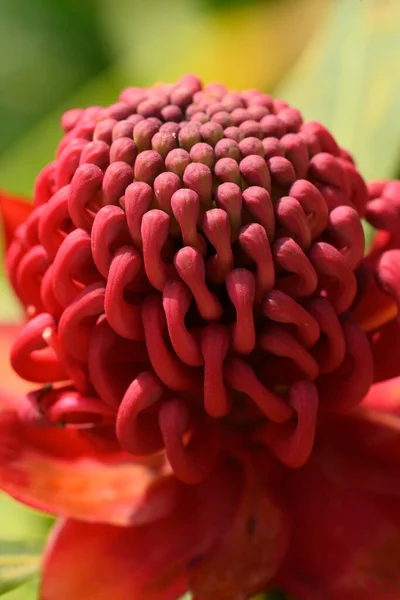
x=199 y=307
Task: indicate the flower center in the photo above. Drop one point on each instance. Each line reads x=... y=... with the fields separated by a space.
x=189 y=269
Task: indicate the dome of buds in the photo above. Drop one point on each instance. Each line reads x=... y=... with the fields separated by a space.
x=189 y=271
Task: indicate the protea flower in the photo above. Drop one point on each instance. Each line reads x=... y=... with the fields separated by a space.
x=201 y=320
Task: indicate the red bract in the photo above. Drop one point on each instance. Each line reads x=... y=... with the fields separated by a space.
x=194 y=279
x=345 y=541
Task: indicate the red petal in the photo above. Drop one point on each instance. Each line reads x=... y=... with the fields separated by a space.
x=14 y=210
x=346 y=537
x=139 y=563
x=366 y=435
x=385 y=345
x=249 y=554
x=374 y=307
x=78 y=474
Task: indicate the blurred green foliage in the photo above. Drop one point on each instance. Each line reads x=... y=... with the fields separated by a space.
x=57 y=55
x=349 y=79
x=22 y=535
x=225 y=4
x=27 y=591
x=48 y=49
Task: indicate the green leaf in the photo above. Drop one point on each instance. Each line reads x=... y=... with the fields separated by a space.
x=23 y=532
x=27 y=591
x=349 y=79
x=21 y=522
x=19 y=562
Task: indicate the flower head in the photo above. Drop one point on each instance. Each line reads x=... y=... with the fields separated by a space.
x=189 y=266
x=198 y=300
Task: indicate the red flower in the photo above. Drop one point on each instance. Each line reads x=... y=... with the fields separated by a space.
x=194 y=279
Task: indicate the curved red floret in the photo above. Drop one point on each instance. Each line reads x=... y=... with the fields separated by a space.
x=190 y=267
